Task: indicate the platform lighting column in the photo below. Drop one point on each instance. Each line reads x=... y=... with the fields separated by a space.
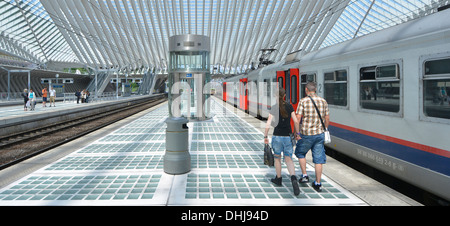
x=29 y=80
x=9 y=85
x=117 y=85
x=96 y=84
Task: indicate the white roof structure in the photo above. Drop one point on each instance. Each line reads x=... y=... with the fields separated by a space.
x=133 y=34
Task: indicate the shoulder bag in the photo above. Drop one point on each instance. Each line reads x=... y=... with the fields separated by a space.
x=327 y=133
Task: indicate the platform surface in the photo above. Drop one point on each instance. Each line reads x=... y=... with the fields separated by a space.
x=125 y=167
x=11 y=111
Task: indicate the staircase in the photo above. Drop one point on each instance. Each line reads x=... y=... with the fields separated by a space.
x=103 y=79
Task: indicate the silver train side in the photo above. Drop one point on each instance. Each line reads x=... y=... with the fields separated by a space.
x=404 y=132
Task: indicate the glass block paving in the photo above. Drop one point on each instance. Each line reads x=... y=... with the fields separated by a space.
x=109 y=163
x=129 y=137
x=159 y=129
x=256 y=187
x=227 y=161
x=89 y=188
x=104 y=148
x=125 y=167
x=227 y=146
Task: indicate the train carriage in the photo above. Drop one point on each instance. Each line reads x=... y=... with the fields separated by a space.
x=388 y=94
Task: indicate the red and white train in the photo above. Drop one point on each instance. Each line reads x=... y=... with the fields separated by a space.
x=388 y=93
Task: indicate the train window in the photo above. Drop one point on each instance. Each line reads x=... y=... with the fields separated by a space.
x=335 y=91
x=305 y=78
x=341 y=75
x=380 y=88
x=287 y=85
x=329 y=76
x=265 y=87
x=268 y=93
x=390 y=71
x=436 y=89
x=308 y=78
x=280 y=82
x=294 y=89
x=437 y=67
x=244 y=89
x=367 y=73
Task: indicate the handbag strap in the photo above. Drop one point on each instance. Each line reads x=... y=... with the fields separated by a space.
x=317 y=110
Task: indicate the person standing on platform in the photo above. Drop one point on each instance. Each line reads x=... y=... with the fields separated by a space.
x=87 y=94
x=312 y=133
x=78 y=95
x=25 y=99
x=280 y=118
x=52 y=96
x=32 y=98
x=83 y=96
x=44 y=97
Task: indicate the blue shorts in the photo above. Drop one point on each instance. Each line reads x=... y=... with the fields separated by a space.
x=313 y=143
x=282 y=144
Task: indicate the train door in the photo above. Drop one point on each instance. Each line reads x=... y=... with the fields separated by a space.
x=281 y=79
x=243 y=94
x=294 y=96
x=224 y=92
x=289 y=80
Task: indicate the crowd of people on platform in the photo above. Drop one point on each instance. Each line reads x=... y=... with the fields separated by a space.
x=83 y=95
x=29 y=98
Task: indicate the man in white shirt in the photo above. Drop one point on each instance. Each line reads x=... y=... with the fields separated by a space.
x=52 y=96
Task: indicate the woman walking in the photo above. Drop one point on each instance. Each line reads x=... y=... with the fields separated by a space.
x=280 y=118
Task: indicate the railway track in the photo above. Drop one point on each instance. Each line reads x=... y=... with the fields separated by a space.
x=15 y=148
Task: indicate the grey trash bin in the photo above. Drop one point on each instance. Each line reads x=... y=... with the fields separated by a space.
x=177 y=159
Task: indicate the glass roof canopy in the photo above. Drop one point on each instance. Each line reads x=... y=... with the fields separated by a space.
x=28 y=33
x=363 y=17
x=132 y=35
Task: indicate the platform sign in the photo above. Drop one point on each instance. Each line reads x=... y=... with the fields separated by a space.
x=59 y=88
x=126 y=89
x=189 y=75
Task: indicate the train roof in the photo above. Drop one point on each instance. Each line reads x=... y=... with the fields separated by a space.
x=429 y=25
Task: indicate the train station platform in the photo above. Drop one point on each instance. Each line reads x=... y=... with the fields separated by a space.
x=15 y=109
x=13 y=118
x=122 y=165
